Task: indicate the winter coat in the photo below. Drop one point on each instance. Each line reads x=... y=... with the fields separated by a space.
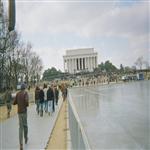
x=50 y=94
x=41 y=96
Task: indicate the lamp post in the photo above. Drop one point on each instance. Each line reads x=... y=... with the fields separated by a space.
x=12 y=15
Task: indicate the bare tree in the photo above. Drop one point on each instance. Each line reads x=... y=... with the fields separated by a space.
x=18 y=62
x=32 y=64
x=146 y=63
x=36 y=68
x=139 y=62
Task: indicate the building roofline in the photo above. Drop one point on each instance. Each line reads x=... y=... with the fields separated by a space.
x=80 y=55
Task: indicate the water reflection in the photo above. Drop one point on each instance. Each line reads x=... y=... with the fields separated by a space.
x=86 y=102
x=117 y=114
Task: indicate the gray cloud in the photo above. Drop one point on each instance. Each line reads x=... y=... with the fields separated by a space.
x=86 y=20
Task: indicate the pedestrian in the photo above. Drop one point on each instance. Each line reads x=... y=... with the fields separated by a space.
x=37 y=99
x=53 y=102
x=50 y=99
x=8 y=101
x=22 y=100
x=56 y=92
x=45 y=97
x=41 y=104
x=65 y=92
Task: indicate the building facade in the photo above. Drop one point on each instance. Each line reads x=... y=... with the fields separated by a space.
x=79 y=60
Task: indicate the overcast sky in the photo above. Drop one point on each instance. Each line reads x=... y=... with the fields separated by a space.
x=117 y=30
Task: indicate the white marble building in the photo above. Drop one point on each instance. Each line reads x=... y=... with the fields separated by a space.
x=77 y=60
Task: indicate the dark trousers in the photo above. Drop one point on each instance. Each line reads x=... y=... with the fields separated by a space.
x=56 y=100
x=23 y=126
x=53 y=106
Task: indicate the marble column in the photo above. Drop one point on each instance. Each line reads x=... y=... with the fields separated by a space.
x=64 y=64
x=89 y=63
x=93 y=63
x=81 y=63
x=67 y=65
x=86 y=63
x=70 y=65
x=76 y=63
x=73 y=65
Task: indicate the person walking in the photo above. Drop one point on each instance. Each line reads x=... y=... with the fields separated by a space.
x=56 y=92
x=45 y=97
x=22 y=100
x=64 y=92
x=41 y=104
x=37 y=99
x=53 y=104
x=50 y=99
x=8 y=101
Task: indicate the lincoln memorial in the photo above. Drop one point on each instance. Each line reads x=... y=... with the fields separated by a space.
x=78 y=60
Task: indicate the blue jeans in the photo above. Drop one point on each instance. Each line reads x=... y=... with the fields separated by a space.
x=41 y=108
x=50 y=106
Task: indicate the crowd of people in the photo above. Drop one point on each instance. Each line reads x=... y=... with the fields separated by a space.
x=46 y=98
x=90 y=80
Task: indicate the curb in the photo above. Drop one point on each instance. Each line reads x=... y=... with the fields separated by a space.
x=69 y=147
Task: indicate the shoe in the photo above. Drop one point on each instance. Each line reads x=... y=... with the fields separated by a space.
x=41 y=113
x=21 y=146
x=26 y=140
x=8 y=115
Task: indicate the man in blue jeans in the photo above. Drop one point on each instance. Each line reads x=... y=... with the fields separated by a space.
x=22 y=100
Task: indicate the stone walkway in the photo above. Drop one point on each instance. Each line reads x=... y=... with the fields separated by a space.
x=40 y=129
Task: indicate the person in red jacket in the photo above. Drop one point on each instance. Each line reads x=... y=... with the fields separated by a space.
x=22 y=100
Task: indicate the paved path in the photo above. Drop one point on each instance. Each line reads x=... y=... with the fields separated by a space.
x=40 y=129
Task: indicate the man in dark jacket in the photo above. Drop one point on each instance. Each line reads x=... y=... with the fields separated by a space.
x=22 y=100
x=37 y=99
x=41 y=97
x=50 y=99
x=56 y=92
